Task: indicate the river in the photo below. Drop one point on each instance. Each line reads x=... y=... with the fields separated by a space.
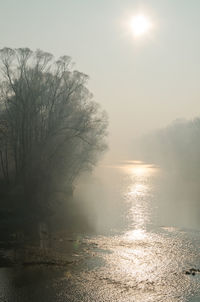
x=146 y=244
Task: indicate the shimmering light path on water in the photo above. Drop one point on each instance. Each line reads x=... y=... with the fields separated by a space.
x=142 y=261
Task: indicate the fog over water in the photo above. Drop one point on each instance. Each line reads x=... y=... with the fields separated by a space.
x=162 y=197
x=140 y=248
x=132 y=223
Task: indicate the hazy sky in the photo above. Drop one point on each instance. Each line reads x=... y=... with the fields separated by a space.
x=142 y=83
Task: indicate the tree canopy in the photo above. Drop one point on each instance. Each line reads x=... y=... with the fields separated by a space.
x=50 y=127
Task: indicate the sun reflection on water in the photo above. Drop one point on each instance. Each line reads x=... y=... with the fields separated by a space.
x=139 y=194
x=137 y=189
x=143 y=261
x=137 y=234
x=138 y=168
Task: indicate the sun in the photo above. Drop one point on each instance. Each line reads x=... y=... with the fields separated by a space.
x=140 y=25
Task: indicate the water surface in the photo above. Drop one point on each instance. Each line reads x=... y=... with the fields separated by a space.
x=146 y=239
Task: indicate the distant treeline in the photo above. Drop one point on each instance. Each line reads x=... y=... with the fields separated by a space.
x=50 y=130
x=176 y=147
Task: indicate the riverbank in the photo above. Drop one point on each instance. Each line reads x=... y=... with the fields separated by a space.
x=61 y=251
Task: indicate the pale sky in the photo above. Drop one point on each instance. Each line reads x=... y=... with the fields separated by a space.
x=142 y=83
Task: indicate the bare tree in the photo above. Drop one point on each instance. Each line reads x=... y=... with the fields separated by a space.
x=50 y=127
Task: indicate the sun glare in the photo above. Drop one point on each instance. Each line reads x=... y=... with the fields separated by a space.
x=140 y=25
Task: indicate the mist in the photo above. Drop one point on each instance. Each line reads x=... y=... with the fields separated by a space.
x=175 y=147
x=175 y=150
x=99 y=197
x=99 y=151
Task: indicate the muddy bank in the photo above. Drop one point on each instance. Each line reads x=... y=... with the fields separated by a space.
x=60 y=251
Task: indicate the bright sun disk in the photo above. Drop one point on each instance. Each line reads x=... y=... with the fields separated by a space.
x=140 y=25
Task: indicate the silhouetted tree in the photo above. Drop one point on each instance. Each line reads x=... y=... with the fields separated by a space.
x=50 y=127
